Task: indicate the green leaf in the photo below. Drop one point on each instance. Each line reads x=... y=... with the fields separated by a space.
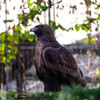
x=55 y=27
x=52 y=23
x=2 y=47
x=20 y=16
x=50 y=3
x=9 y=67
x=77 y=27
x=18 y=28
x=2 y=36
x=89 y=6
x=84 y=27
x=6 y=21
x=91 y=20
x=10 y=46
x=4 y=60
x=86 y=40
x=93 y=40
x=15 y=50
x=98 y=18
x=9 y=51
x=16 y=34
x=44 y=8
x=61 y=27
x=29 y=3
x=11 y=56
x=16 y=40
x=98 y=6
x=2 y=52
x=26 y=32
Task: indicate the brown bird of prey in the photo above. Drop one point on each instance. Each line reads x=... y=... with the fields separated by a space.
x=55 y=66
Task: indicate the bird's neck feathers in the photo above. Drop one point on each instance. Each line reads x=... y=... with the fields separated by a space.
x=48 y=31
x=48 y=41
x=46 y=38
x=47 y=34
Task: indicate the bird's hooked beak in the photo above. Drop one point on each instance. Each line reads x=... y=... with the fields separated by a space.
x=33 y=29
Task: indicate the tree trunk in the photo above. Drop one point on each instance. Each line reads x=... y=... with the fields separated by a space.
x=49 y=13
x=19 y=73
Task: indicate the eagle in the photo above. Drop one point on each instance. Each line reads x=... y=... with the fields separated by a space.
x=54 y=64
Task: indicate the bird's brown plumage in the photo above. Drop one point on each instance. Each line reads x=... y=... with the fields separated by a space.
x=55 y=66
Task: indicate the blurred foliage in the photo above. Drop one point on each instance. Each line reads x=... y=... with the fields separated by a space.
x=34 y=9
x=83 y=26
x=98 y=72
x=5 y=21
x=87 y=27
x=13 y=41
x=79 y=93
x=17 y=36
x=67 y=93
x=36 y=96
x=55 y=26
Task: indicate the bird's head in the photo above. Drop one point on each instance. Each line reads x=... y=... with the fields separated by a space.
x=41 y=30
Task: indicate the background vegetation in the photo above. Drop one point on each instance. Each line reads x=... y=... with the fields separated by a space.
x=34 y=9
x=67 y=93
x=10 y=43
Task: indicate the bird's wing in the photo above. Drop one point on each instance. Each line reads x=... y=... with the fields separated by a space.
x=55 y=61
